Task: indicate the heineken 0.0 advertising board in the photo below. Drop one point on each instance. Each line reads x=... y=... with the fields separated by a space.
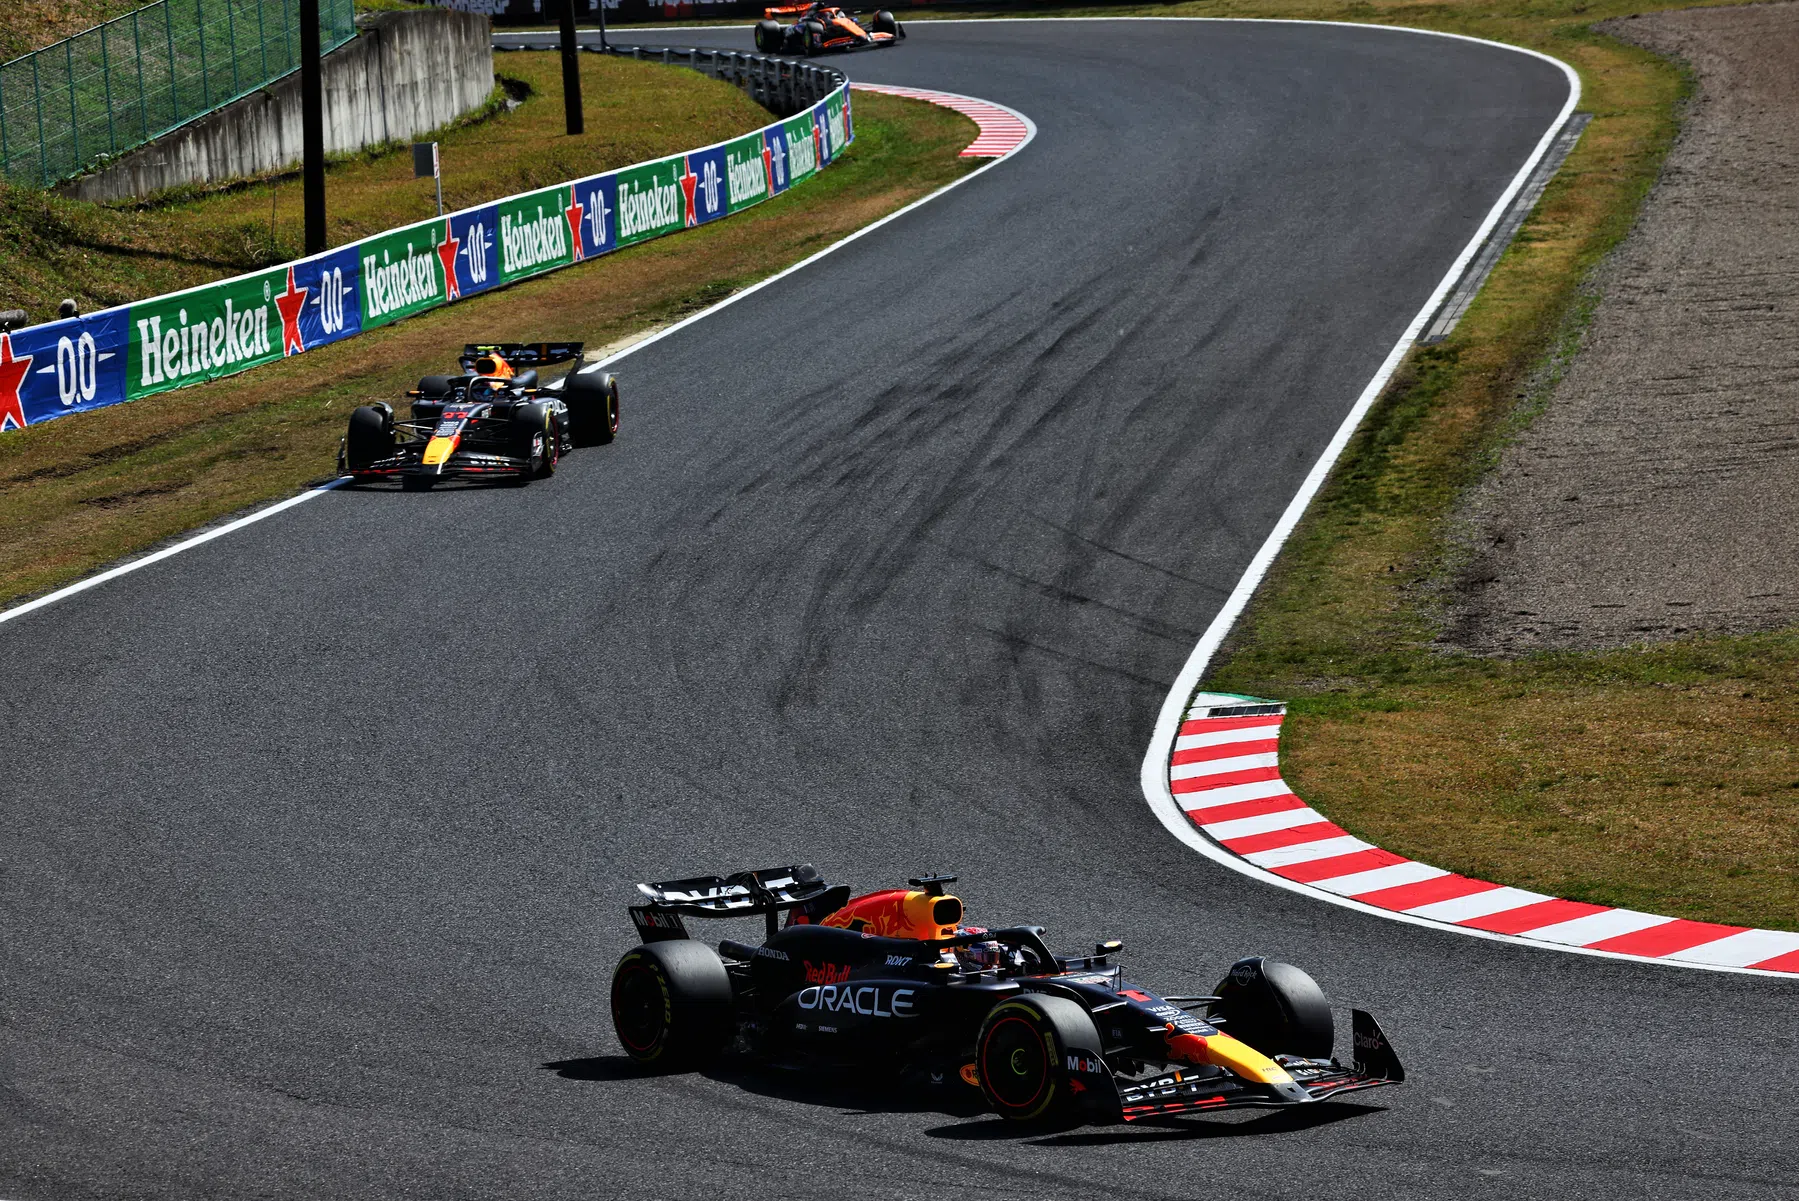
x=402 y=273
x=166 y=342
x=748 y=175
x=537 y=233
x=802 y=135
x=212 y=331
x=652 y=200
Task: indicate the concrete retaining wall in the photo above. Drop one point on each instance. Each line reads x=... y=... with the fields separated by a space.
x=404 y=75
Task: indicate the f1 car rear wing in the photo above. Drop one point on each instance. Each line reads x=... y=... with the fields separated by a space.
x=522 y=354
x=769 y=891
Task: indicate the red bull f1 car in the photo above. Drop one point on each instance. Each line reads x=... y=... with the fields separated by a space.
x=895 y=980
x=493 y=421
x=822 y=29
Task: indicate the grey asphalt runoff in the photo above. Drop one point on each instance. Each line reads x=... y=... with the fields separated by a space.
x=318 y=838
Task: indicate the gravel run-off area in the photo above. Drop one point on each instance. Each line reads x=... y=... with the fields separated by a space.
x=1657 y=493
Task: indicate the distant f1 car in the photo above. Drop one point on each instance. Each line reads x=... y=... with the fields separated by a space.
x=821 y=29
x=893 y=980
x=494 y=421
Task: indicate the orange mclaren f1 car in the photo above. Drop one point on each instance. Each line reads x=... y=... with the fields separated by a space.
x=822 y=29
x=894 y=979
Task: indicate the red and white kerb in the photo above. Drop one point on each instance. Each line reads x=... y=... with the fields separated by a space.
x=1002 y=130
x=1225 y=775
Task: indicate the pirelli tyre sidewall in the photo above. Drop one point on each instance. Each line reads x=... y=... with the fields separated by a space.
x=1021 y=1056
x=369 y=439
x=592 y=400
x=671 y=1003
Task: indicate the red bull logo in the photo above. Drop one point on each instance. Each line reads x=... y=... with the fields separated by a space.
x=826 y=973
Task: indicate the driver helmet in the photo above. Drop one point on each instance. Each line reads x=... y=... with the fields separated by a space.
x=492 y=366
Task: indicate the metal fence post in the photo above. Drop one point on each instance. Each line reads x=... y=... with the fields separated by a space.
x=37 y=92
x=112 y=129
x=143 y=104
x=68 y=57
x=168 y=27
x=200 y=28
x=5 y=154
x=231 y=33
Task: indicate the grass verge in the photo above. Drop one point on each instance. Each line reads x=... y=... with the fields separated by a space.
x=106 y=254
x=91 y=488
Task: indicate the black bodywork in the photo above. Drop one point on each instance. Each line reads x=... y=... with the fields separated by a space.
x=495 y=428
x=811 y=994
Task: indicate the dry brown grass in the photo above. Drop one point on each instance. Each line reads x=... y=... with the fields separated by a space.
x=90 y=488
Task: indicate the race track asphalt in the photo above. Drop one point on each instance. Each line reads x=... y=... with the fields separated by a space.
x=318 y=837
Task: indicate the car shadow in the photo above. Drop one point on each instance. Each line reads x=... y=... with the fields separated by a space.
x=1160 y=1130
x=859 y=1093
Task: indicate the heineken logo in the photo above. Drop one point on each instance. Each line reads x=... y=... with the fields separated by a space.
x=834 y=126
x=390 y=285
x=802 y=155
x=173 y=352
x=531 y=242
x=655 y=207
x=746 y=180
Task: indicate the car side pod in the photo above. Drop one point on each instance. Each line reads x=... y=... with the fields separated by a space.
x=1374 y=1055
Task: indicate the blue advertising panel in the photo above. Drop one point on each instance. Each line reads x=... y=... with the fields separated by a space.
x=776 y=137
x=333 y=306
x=597 y=200
x=63 y=367
x=710 y=199
x=471 y=242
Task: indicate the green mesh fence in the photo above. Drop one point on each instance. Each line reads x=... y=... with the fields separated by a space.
x=120 y=84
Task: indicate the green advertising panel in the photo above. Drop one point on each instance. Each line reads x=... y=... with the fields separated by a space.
x=802 y=148
x=213 y=331
x=651 y=200
x=836 y=129
x=535 y=233
x=402 y=273
x=746 y=172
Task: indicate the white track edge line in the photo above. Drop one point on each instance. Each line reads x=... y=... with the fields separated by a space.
x=1030 y=133
x=167 y=552
x=1153 y=776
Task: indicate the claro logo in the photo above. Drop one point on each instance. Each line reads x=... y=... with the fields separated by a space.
x=867 y=1000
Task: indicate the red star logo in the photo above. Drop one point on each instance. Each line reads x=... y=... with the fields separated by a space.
x=446 y=254
x=818 y=141
x=768 y=166
x=291 y=302
x=689 y=182
x=572 y=214
x=12 y=377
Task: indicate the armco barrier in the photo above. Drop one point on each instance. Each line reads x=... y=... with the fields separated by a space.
x=219 y=329
x=780 y=85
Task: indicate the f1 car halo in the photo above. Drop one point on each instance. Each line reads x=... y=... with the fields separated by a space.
x=494 y=421
x=894 y=979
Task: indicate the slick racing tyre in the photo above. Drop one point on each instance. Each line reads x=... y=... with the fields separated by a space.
x=671 y=1003
x=884 y=23
x=769 y=37
x=592 y=400
x=432 y=386
x=1022 y=1058
x=1275 y=1008
x=815 y=38
x=370 y=438
x=539 y=440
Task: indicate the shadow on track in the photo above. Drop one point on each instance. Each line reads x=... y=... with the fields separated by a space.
x=859 y=1095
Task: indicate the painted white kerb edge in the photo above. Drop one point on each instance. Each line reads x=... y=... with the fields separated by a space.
x=263 y=514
